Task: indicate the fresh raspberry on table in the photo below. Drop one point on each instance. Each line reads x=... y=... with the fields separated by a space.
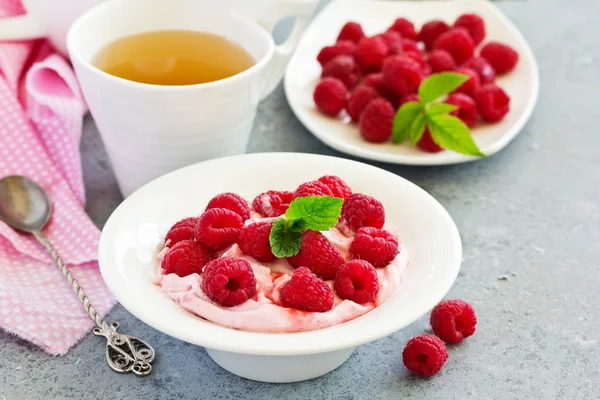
x=317 y=254
x=351 y=31
x=375 y=81
x=410 y=45
x=307 y=292
x=343 y=68
x=472 y=84
x=430 y=31
x=217 y=228
x=344 y=47
x=376 y=121
x=360 y=210
x=458 y=43
x=229 y=281
x=254 y=241
x=487 y=73
x=474 y=24
x=441 y=60
x=409 y=97
x=231 y=201
x=405 y=28
x=272 y=203
x=359 y=99
x=338 y=187
x=453 y=320
x=502 y=57
x=357 y=281
x=492 y=102
x=425 y=355
x=377 y=246
x=330 y=96
x=393 y=41
x=467 y=108
x=312 y=188
x=401 y=74
x=185 y=258
x=427 y=144
x=181 y=230
x=370 y=53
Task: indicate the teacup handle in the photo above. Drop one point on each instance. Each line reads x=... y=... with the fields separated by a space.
x=20 y=28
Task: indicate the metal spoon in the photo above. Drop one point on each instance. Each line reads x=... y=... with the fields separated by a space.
x=25 y=206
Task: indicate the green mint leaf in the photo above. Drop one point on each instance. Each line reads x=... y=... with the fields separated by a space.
x=440 y=84
x=417 y=128
x=451 y=133
x=284 y=243
x=296 y=225
x=441 y=108
x=318 y=212
x=403 y=120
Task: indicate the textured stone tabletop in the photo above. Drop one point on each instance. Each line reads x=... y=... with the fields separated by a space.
x=529 y=218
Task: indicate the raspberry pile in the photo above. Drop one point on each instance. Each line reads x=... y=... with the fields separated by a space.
x=372 y=76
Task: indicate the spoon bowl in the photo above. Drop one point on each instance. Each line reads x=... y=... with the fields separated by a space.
x=24 y=205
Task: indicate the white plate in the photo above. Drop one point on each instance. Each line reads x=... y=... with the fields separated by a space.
x=375 y=16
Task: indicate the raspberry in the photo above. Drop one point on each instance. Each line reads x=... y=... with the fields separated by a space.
x=410 y=45
x=182 y=230
x=338 y=187
x=330 y=96
x=351 y=31
x=357 y=281
x=376 y=121
x=453 y=320
x=377 y=246
x=231 y=201
x=458 y=43
x=401 y=74
x=229 y=281
x=487 y=73
x=425 y=355
x=474 y=24
x=467 y=109
x=431 y=31
x=502 y=57
x=409 y=97
x=307 y=292
x=418 y=57
x=375 y=81
x=318 y=255
x=272 y=203
x=441 y=60
x=217 y=228
x=472 y=84
x=370 y=53
x=492 y=102
x=393 y=41
x=343 y=68
x=427 y=144
x=312 y=188
x=185 y=258
x=254 y=241
x=405 y=28
x=360 y=210
x=359 y=99
x=342 y=47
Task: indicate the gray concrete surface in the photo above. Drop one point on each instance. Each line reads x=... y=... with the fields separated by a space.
x=530 y=224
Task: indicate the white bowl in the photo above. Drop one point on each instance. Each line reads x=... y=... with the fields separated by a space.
x=133 y=231
x=303 y=71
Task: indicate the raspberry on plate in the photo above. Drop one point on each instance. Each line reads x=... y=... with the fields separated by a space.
x=453 y=320
x=425 y=355
x=474 y=24
x=493 y=102
x=254 y=241
x=458 y=43
x=430 y=31
x=217 y=228
x=359 y=99
x=441 y=60
x=318 y=255
x=229 y=281
x=370 y=53
x=393 y=41
x=312 y=188
x=375 y=81
x=427 y=144
x=487 y=73
x=376 y=121
x=231 y=201
x=306 y=292
x=357 y=281
x=272 y=203
x=405 y=28
x=401 y=74
x=360 y=210
x=338 y=187
x=330 y=96
x=377 y=246
x=472 y=84
x=341 y=47
x=185 y=258
x=467 y=109
x=409 y=97
x=502 y=57
x=344 y=68
x=181 y=230
x=351 y=31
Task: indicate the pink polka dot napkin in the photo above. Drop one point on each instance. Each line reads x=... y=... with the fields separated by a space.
x=41 y=112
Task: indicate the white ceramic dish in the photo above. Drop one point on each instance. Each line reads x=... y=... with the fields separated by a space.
x=133 y=231
x=375 y=16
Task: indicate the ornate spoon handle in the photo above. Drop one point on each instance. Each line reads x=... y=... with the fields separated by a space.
x=124 y=353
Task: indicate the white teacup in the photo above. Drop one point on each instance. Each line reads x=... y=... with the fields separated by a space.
x=149 y=130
